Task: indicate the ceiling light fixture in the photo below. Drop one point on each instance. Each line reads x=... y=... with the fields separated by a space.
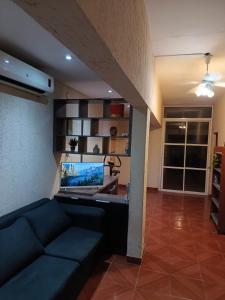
x=68 y=57
x=6 y=61
x=205 y=89
x=110 y=91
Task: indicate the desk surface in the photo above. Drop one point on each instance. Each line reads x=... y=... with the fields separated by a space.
x=101 y=197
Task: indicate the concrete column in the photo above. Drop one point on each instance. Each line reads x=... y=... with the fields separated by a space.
x=138 y=182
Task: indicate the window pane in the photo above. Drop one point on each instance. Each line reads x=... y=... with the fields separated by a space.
x=188 y=112
x=197 y=132
x=196 y=156
x=174 y=156
x=172 y=179
x=195 y=181
x=175 y=132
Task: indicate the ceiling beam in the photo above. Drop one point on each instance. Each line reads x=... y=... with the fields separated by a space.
x=71 y=26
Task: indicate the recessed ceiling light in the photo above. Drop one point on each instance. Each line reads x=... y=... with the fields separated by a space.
x=110 y=91
x=68 y=57
x=6 y=61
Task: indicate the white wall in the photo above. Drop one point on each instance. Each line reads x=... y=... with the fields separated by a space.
x=154 y=158
x=137 y=195
x=28 y=167
x=27 y=164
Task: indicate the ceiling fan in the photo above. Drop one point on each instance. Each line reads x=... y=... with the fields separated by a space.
x=209 y=81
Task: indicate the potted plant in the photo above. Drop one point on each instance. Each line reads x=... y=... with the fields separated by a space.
x=216 y=160
x=73 y=143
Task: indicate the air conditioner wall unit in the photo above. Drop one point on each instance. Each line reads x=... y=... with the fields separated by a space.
x=16 y=73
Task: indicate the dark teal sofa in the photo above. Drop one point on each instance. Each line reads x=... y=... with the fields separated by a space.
x=48 y=250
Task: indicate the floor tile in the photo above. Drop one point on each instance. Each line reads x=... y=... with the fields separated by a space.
x=188 y=288
x=184 y=257
x=160 y=286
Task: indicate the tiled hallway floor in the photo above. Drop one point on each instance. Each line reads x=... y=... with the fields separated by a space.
x=184 y=258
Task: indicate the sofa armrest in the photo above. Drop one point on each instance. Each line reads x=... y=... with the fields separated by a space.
x=85 y=216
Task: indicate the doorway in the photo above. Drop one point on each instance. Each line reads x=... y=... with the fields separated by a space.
x=186 y=155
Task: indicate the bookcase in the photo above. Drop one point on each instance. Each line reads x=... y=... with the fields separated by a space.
x=90 y=122
x=217 y=212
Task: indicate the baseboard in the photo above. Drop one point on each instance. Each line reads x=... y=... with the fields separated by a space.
x=123 y=186
x=152 y=189
x=134 y=260
x=149 y=189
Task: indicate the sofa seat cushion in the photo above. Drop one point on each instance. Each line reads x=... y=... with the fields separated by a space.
x=18 y=247
x=75 y=243
x=48 y=221
x=44 y=279
x=85 y=216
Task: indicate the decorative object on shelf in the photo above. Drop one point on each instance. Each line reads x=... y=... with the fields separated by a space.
x=124 y=134
x=216 y=160
x=117 y=110
x=96 y=149
x=126 y=149
x=73 y=143
x=113 y=131
x=215 y=179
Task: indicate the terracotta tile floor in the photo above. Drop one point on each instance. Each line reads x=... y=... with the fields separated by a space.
x=184 y=258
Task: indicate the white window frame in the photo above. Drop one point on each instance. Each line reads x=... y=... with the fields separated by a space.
x=185 y=144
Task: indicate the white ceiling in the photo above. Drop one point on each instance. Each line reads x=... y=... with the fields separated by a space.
x=178 y=76
x=177 y=27
x=186 y=27
x=23 y=37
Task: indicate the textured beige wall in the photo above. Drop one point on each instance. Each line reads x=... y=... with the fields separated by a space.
x=156 y=103
x=154 y=155
x=111 y=37
x=123 y=26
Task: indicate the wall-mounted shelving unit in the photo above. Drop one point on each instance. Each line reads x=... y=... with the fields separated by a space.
x=89 y=121
x=217 y=212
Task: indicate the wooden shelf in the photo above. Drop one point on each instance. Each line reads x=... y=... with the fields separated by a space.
x=94 y=136
x=88 y=118
x=217 y=212
x=95 y=100
x=214 y=217
x=216 y=185
x=215 y=201
x=217 y=170
x=88 y=122
x=97 y=154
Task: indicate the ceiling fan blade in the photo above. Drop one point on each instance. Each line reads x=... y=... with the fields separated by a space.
x=220 y=84
x=213 y=77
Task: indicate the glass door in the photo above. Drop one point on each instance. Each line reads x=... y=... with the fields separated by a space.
x=185 y=157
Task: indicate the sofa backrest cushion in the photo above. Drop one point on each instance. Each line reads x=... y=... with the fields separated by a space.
x=48 y=221
x=10 y=218
x=18 y=247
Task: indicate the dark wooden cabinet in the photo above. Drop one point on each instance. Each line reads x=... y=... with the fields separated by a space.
x=218 y=190
x=116 y=219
